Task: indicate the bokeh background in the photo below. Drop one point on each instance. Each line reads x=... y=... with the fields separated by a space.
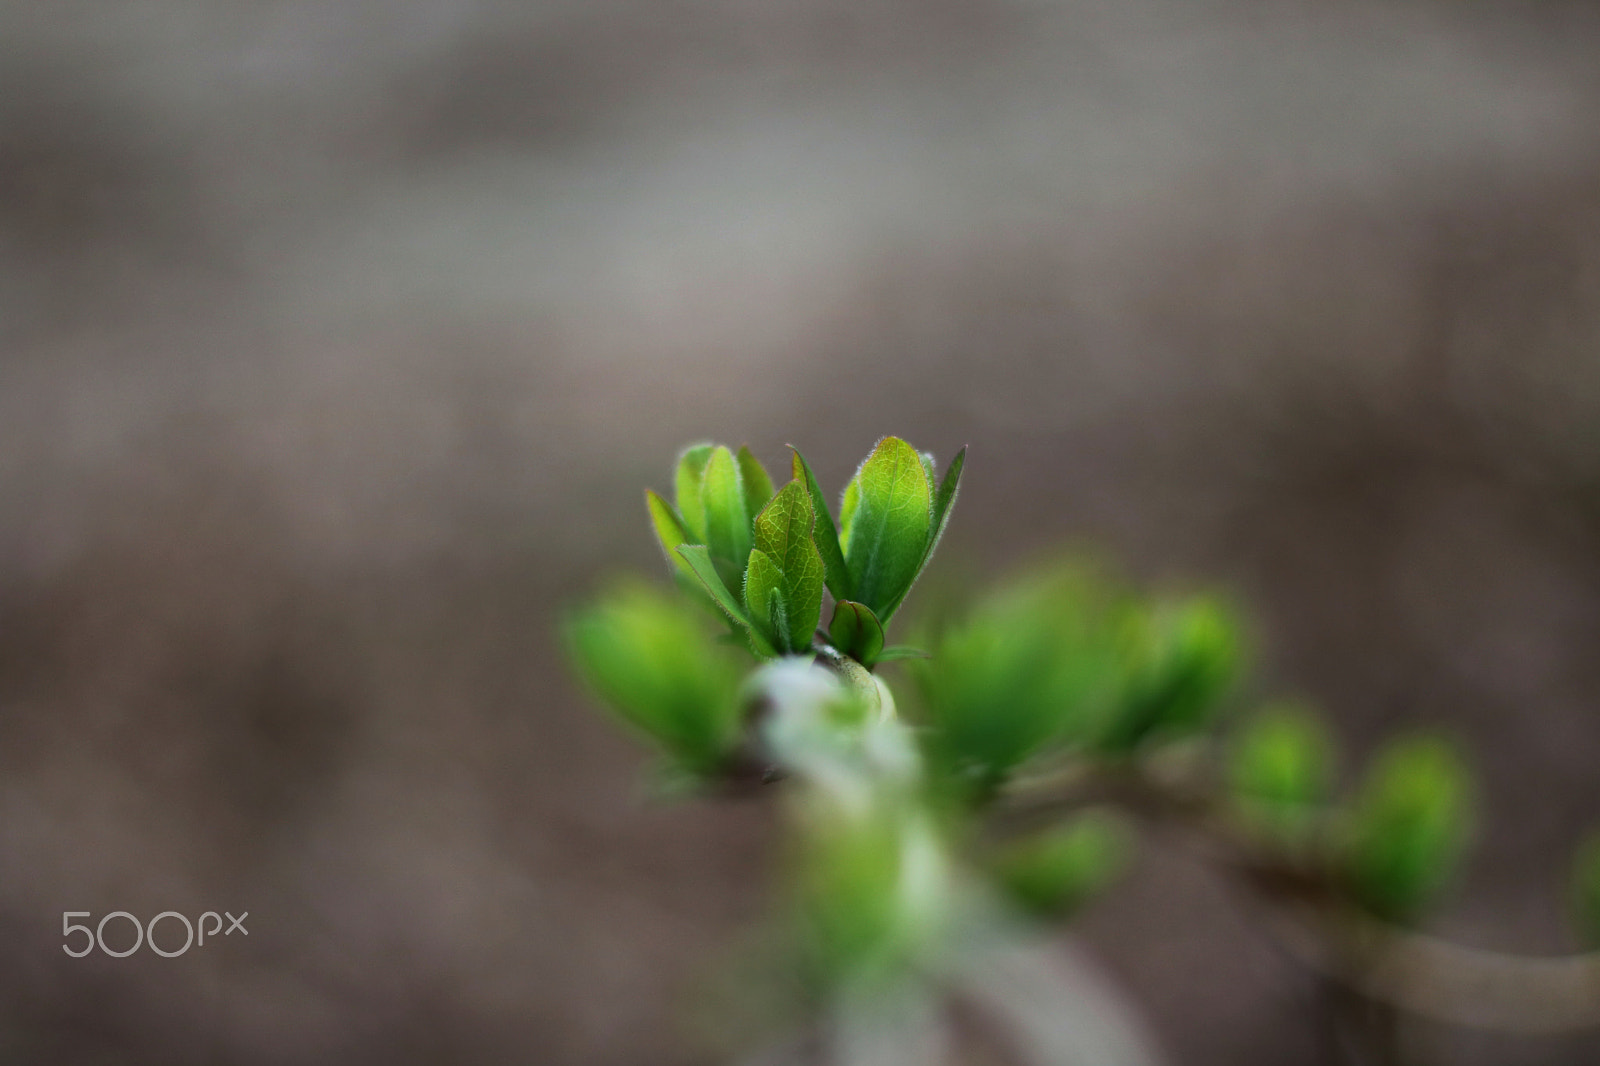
x=340 y=338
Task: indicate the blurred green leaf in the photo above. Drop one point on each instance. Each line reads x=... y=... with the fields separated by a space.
x=1180 y=662
x=1030 y=668
x=783 y=535
x=688 y=487
x=897 y=652
x=1409 y=827
x=1586 y=890
x=824 y=534
x=886 y=522
x=856 y=632
x=649 y=658
x=1282 y=764
x=1054 y=874
x=757 y=485
x=698 y=556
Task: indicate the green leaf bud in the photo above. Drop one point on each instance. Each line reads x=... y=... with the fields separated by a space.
x=1281 y=767
x=1028 y=669
x=648 y=657
x=1409 y=827
x=856 y=632
x=1180 y=663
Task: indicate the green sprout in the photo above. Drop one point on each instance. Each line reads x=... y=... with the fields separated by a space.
x=763 y=557
x=1058 y=714
x=1409 y=827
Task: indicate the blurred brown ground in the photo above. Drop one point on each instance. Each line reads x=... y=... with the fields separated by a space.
x=339 y=339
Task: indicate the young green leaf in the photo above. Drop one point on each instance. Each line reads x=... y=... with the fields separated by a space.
x=783 y=530
x=698 y=556
x=944 y=502
x=849 y=501
x=856 y=631
x=757 y=485
x=670 y=530
x=783 y=538
x=778 y=620
x=762 y=578
x=687 y=488
x=824 y=534
x=727 y=518
x=887 y=515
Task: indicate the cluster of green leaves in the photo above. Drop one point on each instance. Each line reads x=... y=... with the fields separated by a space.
x=727 y=530
x=1397 y=840
x=1063 y=668
x=1180 y=661
x=649 y=656
x=1395 y=843
x=1062 y=660
x=1409 y=827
